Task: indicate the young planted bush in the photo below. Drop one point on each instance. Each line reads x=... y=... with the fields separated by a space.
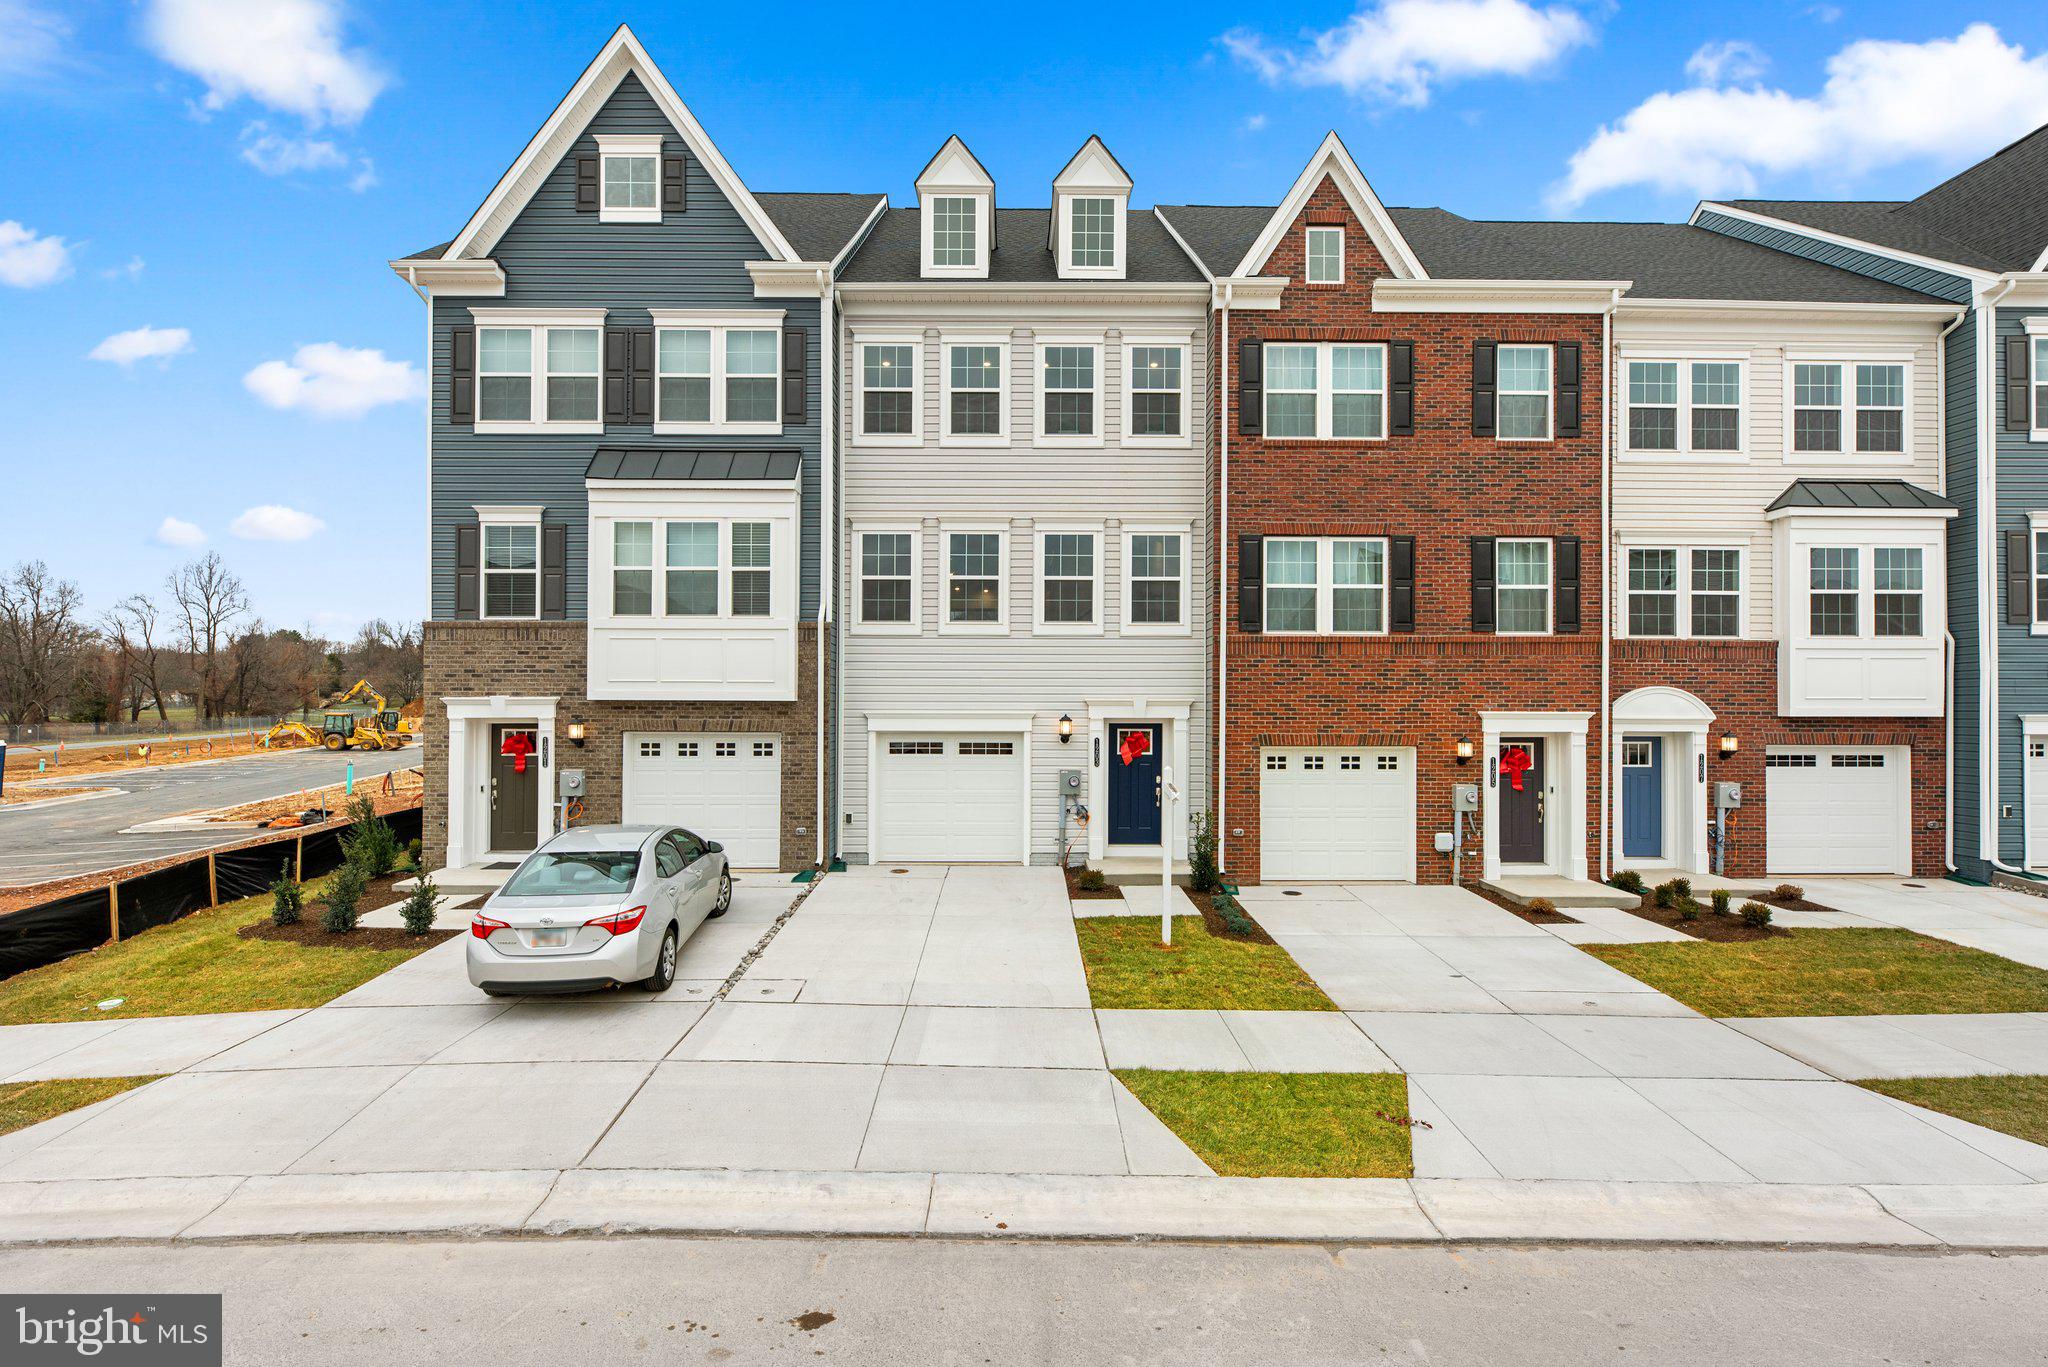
x=1628 y=880
x=344 y=894
x=412 y=852
x=369 y=841
x=1233 y=916
x=1665 y=895
x=1720 y=901
x=1543 y=906
x=417 y=914
x=1681 y=888
x=287 y=898
x=1689 y=910
x=1090 y=880
x=1756 y=914
x=1786 y=893
x=1203 y=875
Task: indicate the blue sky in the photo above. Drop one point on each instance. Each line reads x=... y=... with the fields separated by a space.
x=242 y=169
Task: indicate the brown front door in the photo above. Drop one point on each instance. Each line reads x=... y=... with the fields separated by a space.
x=1521 y=812
x=515 y=796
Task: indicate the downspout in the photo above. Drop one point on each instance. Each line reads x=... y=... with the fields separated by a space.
x=1987 y=602
x=1607 y=373
x=1222 y=608
x=1948 y=790
x=828 y=527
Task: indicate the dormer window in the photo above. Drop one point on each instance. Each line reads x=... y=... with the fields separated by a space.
x=1094 y=235
x=956 y=199
x=954 y=234
x=1090 y=198
x=629 y=179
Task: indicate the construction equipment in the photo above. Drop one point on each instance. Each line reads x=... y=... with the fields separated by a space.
x=340 y=729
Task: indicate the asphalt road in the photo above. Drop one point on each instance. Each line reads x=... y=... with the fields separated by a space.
x=626 y=1299
x=59 y=840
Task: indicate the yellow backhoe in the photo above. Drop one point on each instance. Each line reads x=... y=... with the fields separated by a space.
x=340 y=729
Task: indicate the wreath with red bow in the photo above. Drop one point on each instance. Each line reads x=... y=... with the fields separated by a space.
x=1515 y=762
x=519 y=745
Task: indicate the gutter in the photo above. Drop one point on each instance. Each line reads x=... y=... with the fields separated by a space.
x=1948 y=791
x=828 y=527
x=1608 y=370
x=1223 y=586
x=412 y=279
x=1987 y=542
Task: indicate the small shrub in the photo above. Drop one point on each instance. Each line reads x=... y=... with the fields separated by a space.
x=1628 y=880
x=1665 y=895
x=1543 y=906
x=1232 y=915
x=1788 y=892
x=287 y=898
x=1681 y=888
x=1689 y=910
x=1756 y=915
x=1203 y=875
x=1090 y=880
x=418 y=912
x=344 y=893
x=369 y=840
x=413 y=852
x=1720 y=901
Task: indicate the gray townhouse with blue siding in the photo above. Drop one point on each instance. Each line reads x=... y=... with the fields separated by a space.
x=628 y=458
x=1980 y=241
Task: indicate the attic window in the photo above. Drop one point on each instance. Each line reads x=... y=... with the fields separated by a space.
x=629 y=179
x=1325 y=256
x=1094 y=235
x=953 y=229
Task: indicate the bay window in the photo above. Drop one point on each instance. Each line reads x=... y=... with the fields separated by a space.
x=682 y=555
x=1326 y=390
x=1896 y=590
x=1331 y=586
x=751 y=568
x=1848 y=408
x=632 y=569
x=1834 y=600
x=690 y=585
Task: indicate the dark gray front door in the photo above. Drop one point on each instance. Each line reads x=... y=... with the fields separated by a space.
x=515 y=788
x=1521 y=810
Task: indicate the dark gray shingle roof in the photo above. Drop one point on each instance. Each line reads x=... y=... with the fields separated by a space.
x=430 y=254
x=1886 y=494
x=1876 y=221
x=818 y=225
x=629 y=462
x=892 y=250
x=1219 y=234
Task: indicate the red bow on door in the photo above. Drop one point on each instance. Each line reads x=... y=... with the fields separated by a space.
x=1515 y=762
x=519 y=745
x=1135 y=743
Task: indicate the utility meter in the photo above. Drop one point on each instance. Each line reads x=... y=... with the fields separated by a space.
x=1070 y=782
x=1727 y=796
x=1464 y=797
x=571 y=782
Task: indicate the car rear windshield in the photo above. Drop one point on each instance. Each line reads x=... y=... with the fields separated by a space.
x=574 y=873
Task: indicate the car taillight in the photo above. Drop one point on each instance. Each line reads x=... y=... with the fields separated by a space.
x=482 y=926
x=622 y=922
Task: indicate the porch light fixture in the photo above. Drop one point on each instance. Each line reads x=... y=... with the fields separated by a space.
x=1464 y=751
x=1066 y=728
x=576 y=734
x=1729 y=745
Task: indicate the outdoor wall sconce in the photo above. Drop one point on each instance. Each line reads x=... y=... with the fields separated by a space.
x=576 y=734
x=1464 y=751
x=1066 y=728
x=1729 y=745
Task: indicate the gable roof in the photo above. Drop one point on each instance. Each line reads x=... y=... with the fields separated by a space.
x=621 y=55
x=820 y=226
x=1333 y=161
x=1018 y=253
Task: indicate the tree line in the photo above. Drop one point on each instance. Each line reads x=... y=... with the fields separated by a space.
x=195 y=638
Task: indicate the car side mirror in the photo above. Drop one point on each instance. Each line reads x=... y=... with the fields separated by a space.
x=713 y=847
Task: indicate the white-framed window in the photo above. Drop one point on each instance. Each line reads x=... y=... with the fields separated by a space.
x=1327 y=586
x=2037 y=537
x=695 y=568
x=1092 y=233
x=1156 y=391
x=1834 y=591
x=1070 y=391
x=1683 y=591
x=975 y=574
x=1069 y=581
x=956 y=231
x=889 y=382
x=632 y=569
x=690 y=569
x=1685 y=407
x=717 y=372
x=629 y=178
x=1325 y=390
x=1522 y=394
x=1848 y=410
x=886 y=579
x=1521 y=588
x=975 y=393
x=2039 y=388
x=539 y=370
x=1155 y=590
x=511 y=569
x=1323 y=251
x=1898 y=591
x=1869 y=592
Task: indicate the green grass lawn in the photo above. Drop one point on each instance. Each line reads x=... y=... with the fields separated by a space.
x=1129 y=969
x=193 y=966
x=23 y=1104
x=1833 y=973
x=2016 y=1105
x=1284 y=1124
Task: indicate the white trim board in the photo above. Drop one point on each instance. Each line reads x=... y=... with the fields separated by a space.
x=1332 y=159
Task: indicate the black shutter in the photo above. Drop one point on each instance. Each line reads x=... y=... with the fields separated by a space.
x=586 y=184
x=468 y=551
x=672 y=185
x=462 y=377
x=1401 y=389
x=618 y=370
x=2016 y=380
x=1251 y=388
x=1401 y=583
x=1483 y=383
x=2019 y=581
x=641 y=409
x=1251 y=589
x=795 y=376
x=554 y=571
x=1567 y=383
x=1482 y=583
x=1564 y=576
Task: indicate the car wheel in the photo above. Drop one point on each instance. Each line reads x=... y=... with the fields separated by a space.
x=664 y=965
x=724 y=902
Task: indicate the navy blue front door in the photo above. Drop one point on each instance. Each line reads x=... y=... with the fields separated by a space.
x=1134 y=787
x=1642 y=797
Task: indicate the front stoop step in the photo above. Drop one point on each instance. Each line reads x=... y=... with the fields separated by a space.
x=2033 y=887
x=1138 y=871
x=1562 y=893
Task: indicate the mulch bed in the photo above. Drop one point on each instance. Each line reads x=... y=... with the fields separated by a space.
x=308 y=931
x=1080 y=894
x=1212 y=921
x=1534 y=918
x=1710 y=926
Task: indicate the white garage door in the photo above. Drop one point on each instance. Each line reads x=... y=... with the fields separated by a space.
x=725 y=788
x=2037 y=801
x=1836 y=810
x=1333 y=813
x=949 y=798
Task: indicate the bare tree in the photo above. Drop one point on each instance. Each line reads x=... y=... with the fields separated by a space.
x=42 y=642
x=210 y=601
x=388 y=655
x=132 y=626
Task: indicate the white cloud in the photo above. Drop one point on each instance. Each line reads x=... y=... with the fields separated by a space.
x=1726 y=63
x=1397 y=51
x=29 y=259
x=286 y=54
x=329 y=380
x=365 y=176
x=31 y=39
x=276 y=154
x=1882 y=103
x=142 y=344
x=176 y=531
x=275 y=522
x=1255 y=123
x=131 y=269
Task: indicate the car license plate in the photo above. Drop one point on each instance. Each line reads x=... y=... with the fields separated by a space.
x=549 y=939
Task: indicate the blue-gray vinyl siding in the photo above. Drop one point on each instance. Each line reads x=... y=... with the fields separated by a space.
x=555 y=257
x=1960 y=427
x=2022 y=656
x=1940 y=284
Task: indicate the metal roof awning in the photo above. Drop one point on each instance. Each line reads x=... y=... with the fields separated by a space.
x=676 y=463
x=1860 y=496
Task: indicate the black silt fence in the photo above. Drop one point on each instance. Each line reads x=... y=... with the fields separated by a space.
x=56 y=930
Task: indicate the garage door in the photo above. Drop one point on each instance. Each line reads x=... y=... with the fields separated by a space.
x=725 y=788
x=950 y=798
x=1336 y=814
x=1836 y=810
x=2037 y=801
